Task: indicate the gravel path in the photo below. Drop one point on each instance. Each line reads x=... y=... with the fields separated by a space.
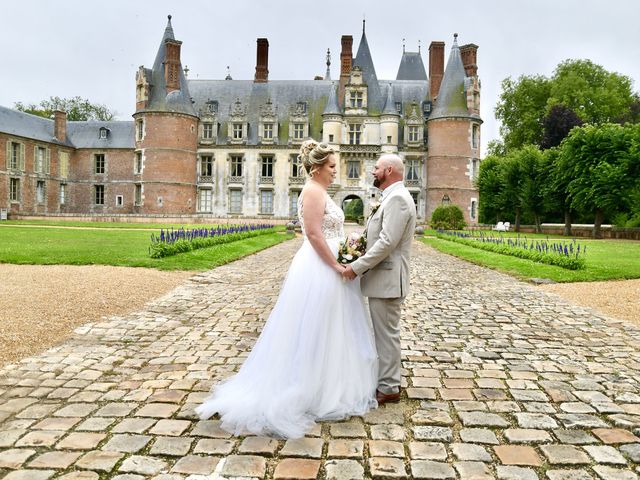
x=40 y=305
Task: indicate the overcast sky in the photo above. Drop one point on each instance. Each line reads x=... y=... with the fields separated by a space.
x=92 y=49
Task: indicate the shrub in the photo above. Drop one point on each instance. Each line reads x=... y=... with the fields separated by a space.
x=448 y=217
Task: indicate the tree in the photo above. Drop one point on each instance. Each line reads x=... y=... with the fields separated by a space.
x=532 y=167
x=489 y=184
x=521 y=109
x=600 y=166
x=556 y=188
x=513 y=173
x=594 y=94
x=557 y=124
x=77 y=109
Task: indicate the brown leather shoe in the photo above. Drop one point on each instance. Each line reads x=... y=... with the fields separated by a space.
x=383 y=398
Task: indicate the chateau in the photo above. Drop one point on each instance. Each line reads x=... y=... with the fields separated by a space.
x=228 y=148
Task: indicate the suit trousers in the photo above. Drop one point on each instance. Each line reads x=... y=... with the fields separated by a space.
x=385 y=316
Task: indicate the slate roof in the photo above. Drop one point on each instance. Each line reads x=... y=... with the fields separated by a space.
x=452 y=99
x=365 y=62
x=79 y=134
x=159 y=101
x=411 y=67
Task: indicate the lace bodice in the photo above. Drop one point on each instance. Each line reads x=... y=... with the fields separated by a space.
x=332 y=222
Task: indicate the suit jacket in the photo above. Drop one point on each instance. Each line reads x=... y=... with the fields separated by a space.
x=384 y=268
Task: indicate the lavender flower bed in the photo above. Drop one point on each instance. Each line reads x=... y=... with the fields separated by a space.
x=569 y=255
x=174 y=241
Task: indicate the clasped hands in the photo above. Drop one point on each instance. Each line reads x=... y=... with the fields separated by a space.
x=347 y=273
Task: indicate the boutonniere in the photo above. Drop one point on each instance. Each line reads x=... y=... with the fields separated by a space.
x=374 y=208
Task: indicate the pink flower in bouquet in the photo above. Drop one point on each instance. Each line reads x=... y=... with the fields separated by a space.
x=352 y=248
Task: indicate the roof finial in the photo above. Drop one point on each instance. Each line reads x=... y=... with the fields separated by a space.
x=455 y=39
x=186 y=71
x=327 y=75
x=419 y=46
x=403 y=45
x=228 y=77
x=169 y=17
x=363 y=22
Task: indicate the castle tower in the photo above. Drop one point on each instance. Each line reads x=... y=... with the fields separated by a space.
x=389 y=122
x=454 y=136
x=166 y=127
x=332 y=120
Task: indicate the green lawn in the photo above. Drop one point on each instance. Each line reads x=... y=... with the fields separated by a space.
x=606 y=260
x=50 y=246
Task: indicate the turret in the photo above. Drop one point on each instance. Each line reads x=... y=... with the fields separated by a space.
x=454 y=137
x=389 y=122
x=332 y=119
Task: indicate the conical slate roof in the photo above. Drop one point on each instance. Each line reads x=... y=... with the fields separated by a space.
x=411 y=67
x=390 y=105
x=177 y=101
x=452 y=100
x=332 y=107
x=365 y=62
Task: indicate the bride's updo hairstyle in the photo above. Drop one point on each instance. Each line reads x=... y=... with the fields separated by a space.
x=313 y=155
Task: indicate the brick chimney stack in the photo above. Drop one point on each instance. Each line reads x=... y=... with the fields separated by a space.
x=172 y=64
x=262 y=61
x=60 y=125
x=469 y=59
x=436 y=67
x=346 y=64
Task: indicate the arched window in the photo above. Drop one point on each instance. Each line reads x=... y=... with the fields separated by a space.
x=446 y=200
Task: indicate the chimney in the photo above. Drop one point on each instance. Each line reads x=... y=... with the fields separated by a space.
x=436 y=67
x=346 y=64
x=469 y=53
x=262 y=61
x=172 y=64
x=60 y=125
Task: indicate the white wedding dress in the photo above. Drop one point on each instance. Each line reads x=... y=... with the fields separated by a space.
x=315 y=358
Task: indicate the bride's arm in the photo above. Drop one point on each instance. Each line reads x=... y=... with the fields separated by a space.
x=314 y=204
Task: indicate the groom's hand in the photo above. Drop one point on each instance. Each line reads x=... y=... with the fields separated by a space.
x=348 y=273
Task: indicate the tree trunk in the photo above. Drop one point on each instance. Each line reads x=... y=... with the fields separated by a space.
x=567 y=222
x=536 y=219
x=517 y=219
x=597 y=223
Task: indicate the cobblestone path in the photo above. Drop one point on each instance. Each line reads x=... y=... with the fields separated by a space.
x=503 y=381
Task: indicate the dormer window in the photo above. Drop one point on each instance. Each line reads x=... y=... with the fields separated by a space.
x=298 y=131
x=212 y=106
x=399 y=107
x=104 y=132
x=356 y=99
x=207 y=130
x=237 y=131
x=301 y=108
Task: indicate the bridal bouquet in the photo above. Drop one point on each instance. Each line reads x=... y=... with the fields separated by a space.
x=352 y=248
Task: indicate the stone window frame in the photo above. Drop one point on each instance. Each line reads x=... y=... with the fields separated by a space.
x=293 y=205
x=261 y=205
x=99 y=167
x=351 y=162
x=413 y=165
x=41 y=159
x=208 y=208
x=231 y=203
x=267 y=166
x=236 y=160
x=354 y=133
x=202 y=162
x=62 y=194
x=473 y=208
x=103 y=133
x=207 y=130
x=64 y=159
x=15 y=190
x=99 y=195
x=119 y=201
x=412 y=121
x=138 y=162
x=15 y=160
x=140 y=129
x=137 y=194
x=41 y=192
x=475 y=135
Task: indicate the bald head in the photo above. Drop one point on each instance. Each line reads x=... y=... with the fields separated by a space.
x=394 y=161
x=388 y=169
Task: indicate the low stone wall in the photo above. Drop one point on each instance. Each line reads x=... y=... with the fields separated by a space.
x=150 y=219
x=578 y=230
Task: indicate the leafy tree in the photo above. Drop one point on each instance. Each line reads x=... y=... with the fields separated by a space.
x=353 y=209
x=521 y=109
x=513 y=174
x=556 y=188
x=594 y=94
x=77 y=109
x=489 y=184
x=533 y=169
x=600 y=166
x=557 y=124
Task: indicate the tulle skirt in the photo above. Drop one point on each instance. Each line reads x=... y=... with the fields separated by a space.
x=314 y=360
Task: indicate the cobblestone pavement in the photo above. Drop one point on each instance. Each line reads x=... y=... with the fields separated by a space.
x=503 y=381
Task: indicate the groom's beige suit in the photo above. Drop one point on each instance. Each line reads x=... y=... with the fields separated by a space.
x=384 y=272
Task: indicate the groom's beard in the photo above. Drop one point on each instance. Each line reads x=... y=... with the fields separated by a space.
x=376 y=183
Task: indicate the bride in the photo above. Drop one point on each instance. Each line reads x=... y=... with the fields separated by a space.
x=315 y=358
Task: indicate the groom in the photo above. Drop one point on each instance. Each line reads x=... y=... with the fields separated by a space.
x=385 y=269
